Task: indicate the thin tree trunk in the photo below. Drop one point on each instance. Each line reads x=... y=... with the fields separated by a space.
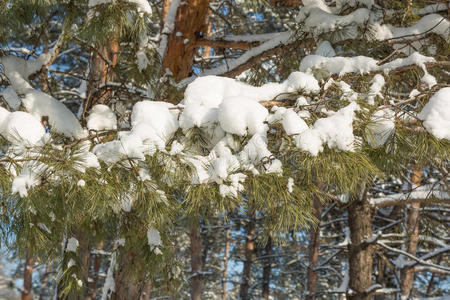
x=94 y=282
x=249 y=250
x=267 y=269
x=407 y=275
x=313 y=254
x=27 y=277
x=44 y=281
x=147 y=291
x=190 y=25
x=225 y=264
x=360 y=253
x=196 y=263
x=102 y=61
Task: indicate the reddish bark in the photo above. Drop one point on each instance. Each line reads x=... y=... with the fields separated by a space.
x=27 y=277
x=249 y=250
x=181 y=48
x=413 y=221
x=102 y=62
x=313 y=254
x=196 y=263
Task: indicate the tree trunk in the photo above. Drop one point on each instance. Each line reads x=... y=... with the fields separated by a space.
x=94 y=282
x=102 y=61
x=360 y=253
x=267 y=269
x=313 y=254
x=127 y=286
x=147 y=291
x=196 y=263
x=249 y=250
x=225 y=264
x=27 y=277
x=44 y=281
x=181 y=48
x=407 y=275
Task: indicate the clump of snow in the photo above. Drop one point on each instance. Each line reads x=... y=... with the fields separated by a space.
x=21 y=128
x=292 y=123
x=414 y=59
x=101 y=117
x=36 y=102
x=142 y=6
x=436 y=114
x=81 y=183
x=336 y=131
x=428 y=80
x=241 y=115
x=338 y=64
x=290 y=185
x=302 y=81
x=154 y=240
x=377 y=84
x=434 y=23
x=93 y=3
x=72 y=245
x=11 y=97
x=380 y=128
x=26 y=180
x=317 y=18
x=255 y=152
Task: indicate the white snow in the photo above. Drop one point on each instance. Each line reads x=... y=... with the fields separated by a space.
x=21 y=128
x=325 y=49
x=240 y=115
x=81 y=183
x=292 y=123
x=101 y=117
x=11 y=98
x=377 y=84
x=26 y=180
x=72 y=245
x=154 y=240
x=436 y=114
x=290 y=184
x=336 y=131
x=338 y=64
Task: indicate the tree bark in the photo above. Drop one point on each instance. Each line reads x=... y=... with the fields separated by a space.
x=360 y=252
x=27 y=277
x=267 y=269
x=94 y=282
x=196 y=263
x=181 y=48
x=407 y=275
x=127 y=286
x=101 y=63
x=313 y=254
x=225 y=264
x=249 y=250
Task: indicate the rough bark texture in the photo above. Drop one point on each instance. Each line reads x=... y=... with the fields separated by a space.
x=94 y=282
x=102 y=61
x=407 y=275
x=225 y=264
x=360 y=253
x=27 y=277
x=249 y=250
x=267 y=269
x=127 y=286
x=191 y=23
x=313 y=254
x=196 y=263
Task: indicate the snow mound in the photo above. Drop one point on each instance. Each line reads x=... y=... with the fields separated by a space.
x=101 y=117
x=436 y=114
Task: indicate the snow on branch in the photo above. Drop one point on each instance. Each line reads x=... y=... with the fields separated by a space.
x=422 y=193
